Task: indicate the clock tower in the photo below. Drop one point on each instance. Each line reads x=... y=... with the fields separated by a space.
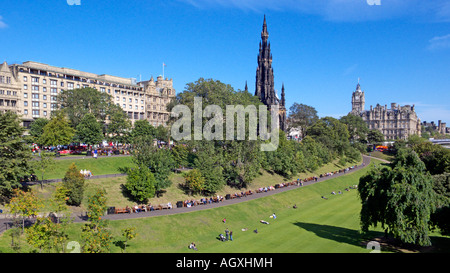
x=358 y=100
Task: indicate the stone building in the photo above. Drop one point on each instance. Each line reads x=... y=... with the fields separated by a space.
x=441 y=127
x=265 y=87
x=395 y=122
x=30 y=89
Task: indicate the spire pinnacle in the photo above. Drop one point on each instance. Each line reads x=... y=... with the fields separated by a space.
x=264 y=32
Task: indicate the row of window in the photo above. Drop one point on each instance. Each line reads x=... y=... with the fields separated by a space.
x=8 y=92
x=44 y=89
x=70 y=86
x=5 y=79
x=37 y=103
x=124 y=106
x=375 y=125
x=35 y=113
x=8 y=103
x=36 y=96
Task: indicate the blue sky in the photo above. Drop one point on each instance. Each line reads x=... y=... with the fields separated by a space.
x=400 y=49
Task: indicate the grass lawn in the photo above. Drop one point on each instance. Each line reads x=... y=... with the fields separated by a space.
x=99 y=166
x=382 y=155
x=316 y=226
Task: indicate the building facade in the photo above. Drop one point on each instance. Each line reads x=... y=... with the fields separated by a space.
x=441 y=127
x=265 y=87
x=30 y=89
x=397 y=122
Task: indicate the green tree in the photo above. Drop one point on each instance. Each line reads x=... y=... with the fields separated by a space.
x=37 y=128
x=119 y=126
x=140 y=183
x=194 y=181
x=57 y=131
x=332 y=133
x=142 y=129
x=242 y=161
x=129 y=234
x=356 y=126
x=59 y=200
x=220 y=162
x=89 y=130
x=42 y=234
x=96 y=236
x=435 y=157
x=375 y=137
x=441 y=217
x=76 y=103
x=15 y=155
x=73 y=181
x=302 y=116
x=162 y=133
x=159 y=161
x=25 y=204
x=283 y=160
x=400 y=198
x=209 y=161
x=180 y=155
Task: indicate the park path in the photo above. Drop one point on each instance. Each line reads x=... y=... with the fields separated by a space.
x=5 y=223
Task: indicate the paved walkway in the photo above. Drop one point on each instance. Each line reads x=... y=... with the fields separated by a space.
x=80 y=218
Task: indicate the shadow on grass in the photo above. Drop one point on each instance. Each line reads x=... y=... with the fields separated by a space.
x=354 y=237
x=339 y=234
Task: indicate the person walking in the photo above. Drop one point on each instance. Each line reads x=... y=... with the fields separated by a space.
x=231 y=235
x=226 y=233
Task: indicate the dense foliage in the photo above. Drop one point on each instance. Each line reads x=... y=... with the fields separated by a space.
x=400 y=198
x=14 y=155
x=237 y=162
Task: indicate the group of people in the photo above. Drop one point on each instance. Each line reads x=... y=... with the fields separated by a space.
x=228 y=235
x=202 y=201
x=86 y=173
x=340 y=192
x=265 y=189
x=144 y=208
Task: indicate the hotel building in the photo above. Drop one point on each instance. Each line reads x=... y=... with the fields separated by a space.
x=30 y=89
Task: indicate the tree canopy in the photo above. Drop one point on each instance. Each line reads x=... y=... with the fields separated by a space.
x=302 y=115
x=89 y=130
x=400 y=198
x=76 y=103
x=14 y=154
x=58 y=131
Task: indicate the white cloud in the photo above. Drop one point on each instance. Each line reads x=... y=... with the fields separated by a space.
x=2 y=24
x=439 y=42
x=341 y=10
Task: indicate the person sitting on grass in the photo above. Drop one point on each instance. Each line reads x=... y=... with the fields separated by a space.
x=264 y=222
x=192 y=246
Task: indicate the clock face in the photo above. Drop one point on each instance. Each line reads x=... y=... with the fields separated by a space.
x=357 y=98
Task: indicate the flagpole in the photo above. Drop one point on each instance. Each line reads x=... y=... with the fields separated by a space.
x=163 y=71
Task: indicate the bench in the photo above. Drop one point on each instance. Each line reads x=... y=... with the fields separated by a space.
x=117 y=211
